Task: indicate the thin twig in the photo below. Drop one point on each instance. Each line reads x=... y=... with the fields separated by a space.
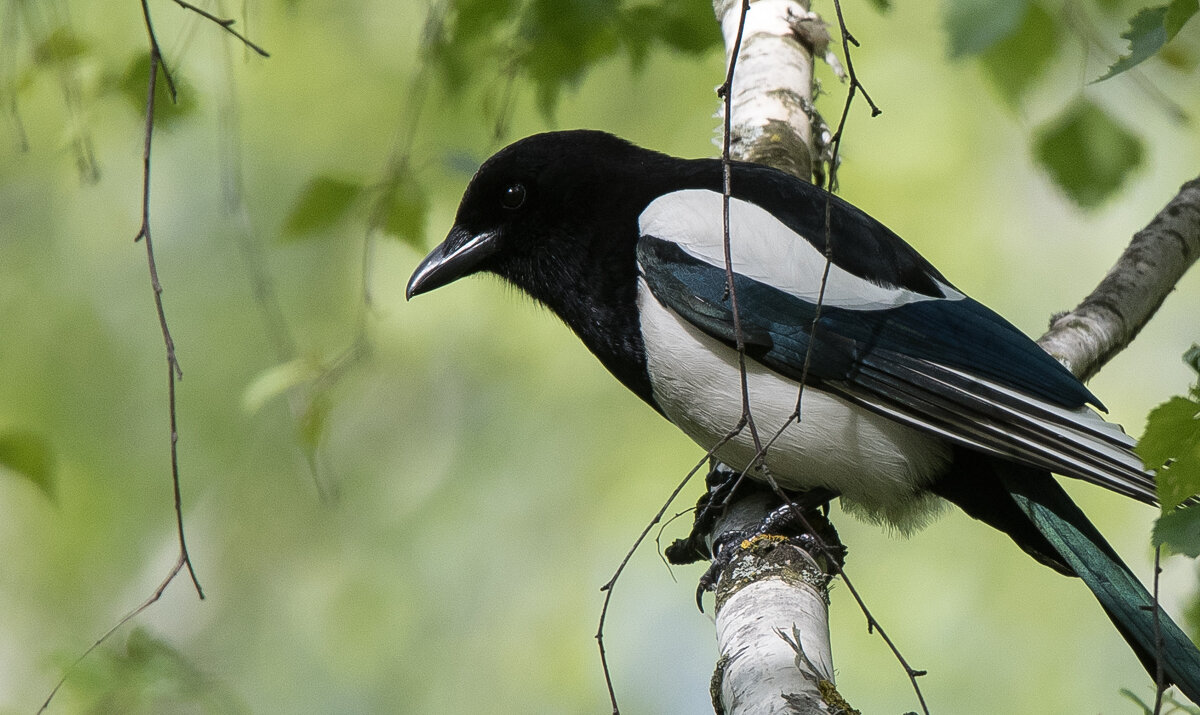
x=608 y=587
x=725 y=92
x=847 y=40
x=156 y=57
x=154 y=597
x=174 y=371
x=612 y=582
x=225 y=23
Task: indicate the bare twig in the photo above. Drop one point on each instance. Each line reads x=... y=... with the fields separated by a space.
x=156 y=58
x=1160 y=679
x=608 y=587
x=223 y=23
x=174 y=372
x=154 y=597
x=725 y=92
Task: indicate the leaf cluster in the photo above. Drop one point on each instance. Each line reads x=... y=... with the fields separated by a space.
x=552 y=44
x=1086 y=151
x=1171 y=446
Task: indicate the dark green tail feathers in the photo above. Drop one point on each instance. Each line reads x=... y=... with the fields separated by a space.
x=1123 y=597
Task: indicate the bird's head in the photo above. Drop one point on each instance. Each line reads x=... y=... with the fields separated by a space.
x=542 y=211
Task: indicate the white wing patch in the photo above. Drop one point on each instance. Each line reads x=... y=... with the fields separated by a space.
x=765 y=249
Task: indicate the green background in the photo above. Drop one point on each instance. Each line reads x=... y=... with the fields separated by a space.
x=487 y=474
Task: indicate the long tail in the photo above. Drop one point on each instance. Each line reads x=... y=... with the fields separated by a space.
x=1031 y=507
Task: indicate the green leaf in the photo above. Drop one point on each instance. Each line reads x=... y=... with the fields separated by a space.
x=479 y=18
x=1149 y=30
x=1087 y=153
x=148 y=675
x=552 y=43
x=974 y=26
x=1015 y=63
x=312 y=422
x=277 y=380
x=1192 y=358
x=60 y=47
x=402 y=208
x=1178 y=14
x=1179 y=531
x=322 y=203
x=687 y=27
x=682 y=26
x=1171 y=445
x=27 y=454
x=561 y=40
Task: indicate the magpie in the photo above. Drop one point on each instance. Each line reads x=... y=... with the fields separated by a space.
x=913 y=392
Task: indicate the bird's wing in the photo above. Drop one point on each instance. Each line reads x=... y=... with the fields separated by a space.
x=944 y=364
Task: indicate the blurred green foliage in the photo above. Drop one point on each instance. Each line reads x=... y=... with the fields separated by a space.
x=1171 y=446
x=1087 y=152
x=481 y=474
x=552 y=44
x=29 y=455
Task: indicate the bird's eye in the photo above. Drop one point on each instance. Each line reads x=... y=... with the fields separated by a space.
x=513 y=196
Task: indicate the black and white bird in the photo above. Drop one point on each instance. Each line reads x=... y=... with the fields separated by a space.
x=913 y=392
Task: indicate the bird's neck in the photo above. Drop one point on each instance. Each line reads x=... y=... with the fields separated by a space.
x=593 y=289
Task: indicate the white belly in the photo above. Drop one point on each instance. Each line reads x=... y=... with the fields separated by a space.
x=877 y=465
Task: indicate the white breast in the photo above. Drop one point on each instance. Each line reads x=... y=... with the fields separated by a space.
x=876 y=464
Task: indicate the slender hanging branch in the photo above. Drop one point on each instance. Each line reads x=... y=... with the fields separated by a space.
x=174 y=370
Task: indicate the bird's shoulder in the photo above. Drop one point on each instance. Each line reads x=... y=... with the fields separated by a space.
x=777 y=210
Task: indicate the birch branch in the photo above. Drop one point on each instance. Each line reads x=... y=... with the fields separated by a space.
x=772 y=597
x=1146 y=273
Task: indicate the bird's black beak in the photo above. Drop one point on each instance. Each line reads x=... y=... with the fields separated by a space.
x=459 y=255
